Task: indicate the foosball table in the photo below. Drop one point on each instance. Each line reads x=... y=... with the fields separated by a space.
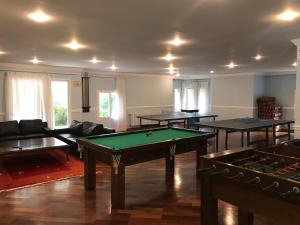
x=266 y=183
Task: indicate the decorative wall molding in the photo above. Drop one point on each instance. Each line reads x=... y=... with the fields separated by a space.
x=149 y=107
x=232 y=107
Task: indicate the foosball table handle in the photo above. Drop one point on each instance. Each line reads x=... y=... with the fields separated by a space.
x=274 y=185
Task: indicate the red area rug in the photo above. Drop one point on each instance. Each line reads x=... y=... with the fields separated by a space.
x=21 y=170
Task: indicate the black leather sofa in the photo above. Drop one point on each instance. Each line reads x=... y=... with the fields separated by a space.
x=14 y=130
x=79 y=129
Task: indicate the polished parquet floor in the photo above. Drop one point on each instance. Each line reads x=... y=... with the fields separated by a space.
x=150 y=200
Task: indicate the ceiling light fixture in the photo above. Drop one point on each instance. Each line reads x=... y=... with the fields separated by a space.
x=169 y=57
x=177 y=74
x=35 y=60
x=74 y=45
x=212 y=72
x=288 y=15
x=39 y=16
x=171 y=69
x=2 y=53
x=177 y=41
x=231 y=65
x=95 y=60
x=113 y=67
x=258 y=57
x=295 y=64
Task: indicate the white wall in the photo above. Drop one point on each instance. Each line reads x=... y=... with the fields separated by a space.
x=232 y=96
x=148 y=95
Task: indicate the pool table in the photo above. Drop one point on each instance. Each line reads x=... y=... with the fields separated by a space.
x=127 y=148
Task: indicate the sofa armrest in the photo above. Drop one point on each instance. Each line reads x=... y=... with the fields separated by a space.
x=62 y=131
x=108 y=130
x=47 y=130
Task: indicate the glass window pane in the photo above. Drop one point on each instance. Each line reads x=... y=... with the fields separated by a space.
x=104 y=104
x=60 y=103
x=177 y=100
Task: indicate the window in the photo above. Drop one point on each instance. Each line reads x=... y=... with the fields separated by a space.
x=60 y=99
x=177 y=99
x=107 y=103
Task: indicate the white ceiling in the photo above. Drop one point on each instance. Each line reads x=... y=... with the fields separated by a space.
x=133 y=34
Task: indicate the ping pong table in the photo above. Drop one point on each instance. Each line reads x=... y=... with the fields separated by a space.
x=169 y=118
x=246 y=125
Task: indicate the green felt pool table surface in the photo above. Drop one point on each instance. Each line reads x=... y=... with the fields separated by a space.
x=132 y=139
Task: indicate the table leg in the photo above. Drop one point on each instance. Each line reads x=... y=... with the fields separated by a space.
x=289 y=131
x=245 y=217
x=187 y=122
x=248 y=138
x=267 y=136
x=242 y=138
x=140 y=122
x=209 y=204
x=217 y=139
x=118 y=187
x=226 y=139
x=89 y=169
x=170 y=161
x=274 y=134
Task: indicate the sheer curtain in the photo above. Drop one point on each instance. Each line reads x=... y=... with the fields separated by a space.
x=191 y=94
x=28 y=96
x=119 y=113
x=203 y=96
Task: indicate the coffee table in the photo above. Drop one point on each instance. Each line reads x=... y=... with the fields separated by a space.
x=32 y=146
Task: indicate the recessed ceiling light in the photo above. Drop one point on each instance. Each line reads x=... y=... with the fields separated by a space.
x=295 y=64
x=2 y=53
x=231 y=65
x=74 y=45
x=35 y=60
x=39 y=16
x=95 y=60
x=113 y=67
x=169 y=57
x=177 y=41
x=258 y=57
x=288 y=15
x=177 y=74
x=171 y=69
x=212 y=71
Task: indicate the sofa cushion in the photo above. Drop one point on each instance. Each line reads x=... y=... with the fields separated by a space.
x=11 y=137
x=35 y=135
x=76 y=127
x=9 y=128
x=90 y=128
x=31 y=126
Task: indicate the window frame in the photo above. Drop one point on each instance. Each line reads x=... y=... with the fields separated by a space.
x=110 y=92
x=69 y=119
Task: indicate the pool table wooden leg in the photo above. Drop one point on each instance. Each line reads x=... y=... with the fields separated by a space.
x=89 y=169
x=170 y=161
x=118 y=187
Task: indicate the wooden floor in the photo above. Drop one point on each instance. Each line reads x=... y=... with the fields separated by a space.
x=149 y=199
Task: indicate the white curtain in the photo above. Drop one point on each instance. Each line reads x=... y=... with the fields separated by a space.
x=191 y=94
x=203 y=96
x=119 y=113
x=28 y=96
